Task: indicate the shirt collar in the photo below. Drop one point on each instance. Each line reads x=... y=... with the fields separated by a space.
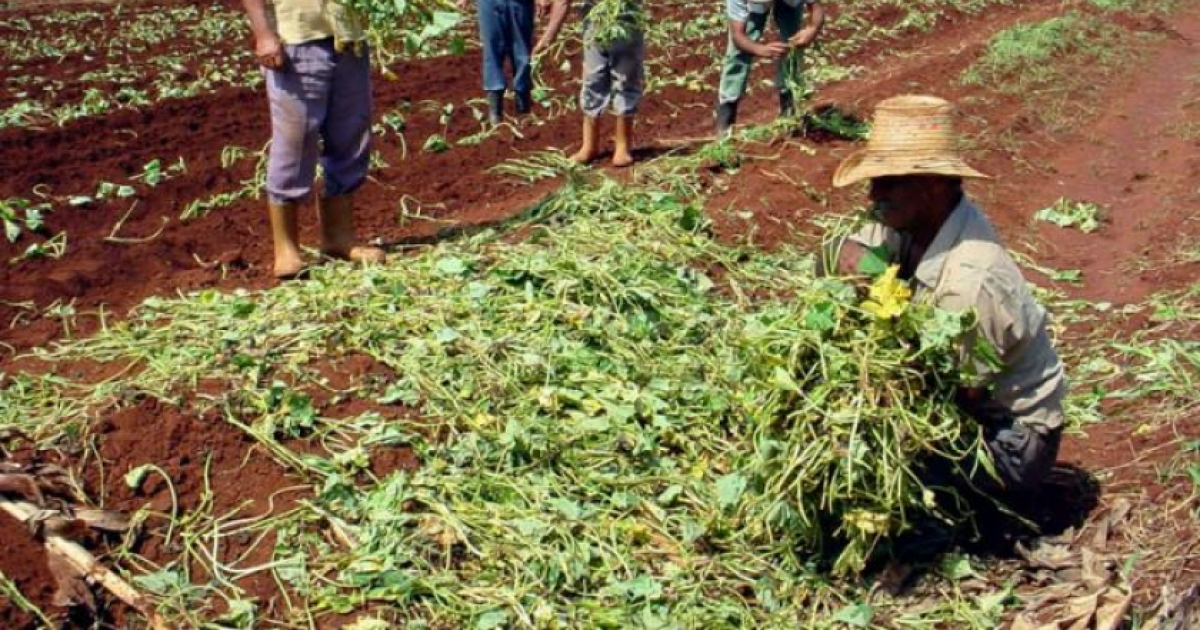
x=929 y=270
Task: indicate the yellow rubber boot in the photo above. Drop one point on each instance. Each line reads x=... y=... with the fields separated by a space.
x=588 y=151
x=337 y=232
x=623 y=139
x=285 y=232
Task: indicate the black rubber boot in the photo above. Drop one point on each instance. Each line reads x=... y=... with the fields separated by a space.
x=524 y=103
x=787 y=105
x=726 y=117
x=495 y=100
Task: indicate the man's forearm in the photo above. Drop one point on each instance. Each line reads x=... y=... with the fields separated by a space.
x=740 y=39
x=558 y=15
x=816 y=16
x=256 y=11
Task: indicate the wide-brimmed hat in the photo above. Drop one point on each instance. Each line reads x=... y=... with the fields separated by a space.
x=912 y=135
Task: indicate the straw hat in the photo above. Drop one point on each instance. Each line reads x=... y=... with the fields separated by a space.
x=912 y=135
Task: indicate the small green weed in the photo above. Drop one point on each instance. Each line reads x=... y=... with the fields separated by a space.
x=21 y=215
x=1082 y=215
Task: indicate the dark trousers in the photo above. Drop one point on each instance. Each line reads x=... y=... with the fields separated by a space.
x=1022 y=455
x=506 y=30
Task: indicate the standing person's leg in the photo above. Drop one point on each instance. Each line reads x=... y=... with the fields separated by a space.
x=346 y=156
x=788 y=20
x=735 y=72
x=298 y=97
x=494 y=44
x=628 y=75
x=594 y=96
x=522 y=49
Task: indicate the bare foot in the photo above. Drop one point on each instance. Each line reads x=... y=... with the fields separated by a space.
x=583 y=156
x=288 y=265
x=622 y=159
x=365 y=255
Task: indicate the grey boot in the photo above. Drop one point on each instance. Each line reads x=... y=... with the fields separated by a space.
x=523 y=103
x=495 y=99
x=787 y=105
x=726 y=117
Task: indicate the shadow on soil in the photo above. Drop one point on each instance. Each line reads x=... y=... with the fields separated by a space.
x=1066 y=501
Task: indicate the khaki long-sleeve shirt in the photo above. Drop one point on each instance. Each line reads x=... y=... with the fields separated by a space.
x=966 y=267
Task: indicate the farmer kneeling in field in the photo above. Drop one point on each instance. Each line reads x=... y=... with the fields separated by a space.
x=948 y=251
x=319 y=88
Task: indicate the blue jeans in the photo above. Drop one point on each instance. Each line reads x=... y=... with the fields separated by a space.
x=506 y=31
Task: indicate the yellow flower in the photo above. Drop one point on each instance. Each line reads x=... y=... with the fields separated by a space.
x=889 y=295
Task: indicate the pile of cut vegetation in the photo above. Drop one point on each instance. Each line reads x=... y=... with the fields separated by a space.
x=624 y=422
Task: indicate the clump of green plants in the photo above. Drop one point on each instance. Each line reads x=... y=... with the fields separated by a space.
x=615 y=20
x=402 y=29
x=21 y=215
x=1082 y=215
x=1024 y=57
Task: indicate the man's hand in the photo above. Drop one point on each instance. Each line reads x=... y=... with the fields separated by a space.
x=268 y=49
x=543 y=9
x=774 y=50
x=849 y=255
x=804 y=37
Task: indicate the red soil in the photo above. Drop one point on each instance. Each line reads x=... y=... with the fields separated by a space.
x=24 y=563
x=1129 y=158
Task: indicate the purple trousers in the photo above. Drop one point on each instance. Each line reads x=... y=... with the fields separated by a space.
x=320 y=110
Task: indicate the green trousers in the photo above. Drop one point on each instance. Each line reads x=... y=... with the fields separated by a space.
x=735 y=72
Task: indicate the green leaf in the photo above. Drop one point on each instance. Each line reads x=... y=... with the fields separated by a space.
x=642 y=587
x=669 y=495
x=729 y=490
x=135 y=476
x=874 y=261
x=956 y=566
x=162 y=582
x=491 y=620
x=782 y=379
x=400 y=392
x=994 y=603
x=821 y=317
x=452 y=266
x=855 y=615
x=569 y=509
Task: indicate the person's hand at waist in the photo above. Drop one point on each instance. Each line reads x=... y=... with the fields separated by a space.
x=268 y=50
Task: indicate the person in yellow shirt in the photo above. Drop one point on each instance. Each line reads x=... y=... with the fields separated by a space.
x=314 y=57
x=950 y=254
